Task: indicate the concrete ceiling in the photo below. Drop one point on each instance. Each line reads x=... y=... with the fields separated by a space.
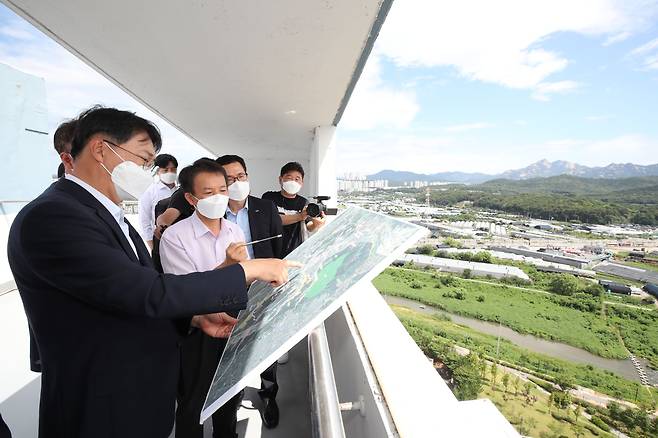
x=245 y=75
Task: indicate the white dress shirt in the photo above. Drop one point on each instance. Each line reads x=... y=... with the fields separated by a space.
x=154 y=194
x=242 y=219
x=112 y=208
x=189 y=246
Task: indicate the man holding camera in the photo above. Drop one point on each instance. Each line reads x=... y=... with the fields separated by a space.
x=292 y=208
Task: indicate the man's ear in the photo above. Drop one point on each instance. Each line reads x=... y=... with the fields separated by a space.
x=96 y=148
x=190 y=199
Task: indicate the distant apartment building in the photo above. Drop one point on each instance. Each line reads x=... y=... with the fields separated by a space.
x=361 y=185
x=415 y=184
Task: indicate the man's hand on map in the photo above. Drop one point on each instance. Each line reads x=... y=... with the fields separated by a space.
x=235 y=253
x=216 y=325
x=273 y=271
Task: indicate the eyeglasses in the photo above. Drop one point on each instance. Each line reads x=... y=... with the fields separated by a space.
x=241 y=177
x=148 y=164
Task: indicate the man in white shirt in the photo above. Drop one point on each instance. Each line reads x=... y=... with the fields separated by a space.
x=202 y=242
x=166 y=167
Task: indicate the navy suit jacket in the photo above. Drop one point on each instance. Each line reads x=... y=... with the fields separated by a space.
x=264 y=222
x=106 y=323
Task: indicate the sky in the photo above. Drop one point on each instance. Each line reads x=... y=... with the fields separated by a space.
x=474 y=85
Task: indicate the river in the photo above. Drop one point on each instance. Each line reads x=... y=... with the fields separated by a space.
x=559 y=350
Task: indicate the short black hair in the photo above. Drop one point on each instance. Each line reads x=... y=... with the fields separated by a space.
x=293 y=166
x=228 y=159
x=163 y=161
x=188 y=174
x=60 y=170
x=117 y=124
x=63 y=136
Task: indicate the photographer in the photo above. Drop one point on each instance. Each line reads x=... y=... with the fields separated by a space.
x=292 y=207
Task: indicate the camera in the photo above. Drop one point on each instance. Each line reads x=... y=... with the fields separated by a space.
x=315 y=209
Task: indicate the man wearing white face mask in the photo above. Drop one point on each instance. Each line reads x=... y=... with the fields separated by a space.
x=292 y=207
x=258 y=219
x=202 y=242
x=165 y=166
x=107 y=324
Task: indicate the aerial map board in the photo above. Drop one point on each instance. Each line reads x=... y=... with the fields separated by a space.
x=353 y=248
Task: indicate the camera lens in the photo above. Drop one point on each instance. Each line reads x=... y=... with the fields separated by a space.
x=313 y=210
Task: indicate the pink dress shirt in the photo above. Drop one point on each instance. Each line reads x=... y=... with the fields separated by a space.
x=189 y=246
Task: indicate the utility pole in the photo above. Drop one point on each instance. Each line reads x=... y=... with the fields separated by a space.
x=498 y=343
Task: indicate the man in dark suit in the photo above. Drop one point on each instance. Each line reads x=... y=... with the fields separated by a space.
x=106 y=323
x=258 y=219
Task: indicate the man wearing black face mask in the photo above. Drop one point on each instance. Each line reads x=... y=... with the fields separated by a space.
x=107 y=324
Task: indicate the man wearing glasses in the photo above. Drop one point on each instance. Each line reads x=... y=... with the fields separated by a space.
x=258 y=219
x=107 y=324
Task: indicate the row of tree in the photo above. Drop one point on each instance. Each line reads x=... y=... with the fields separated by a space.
x=563 y=207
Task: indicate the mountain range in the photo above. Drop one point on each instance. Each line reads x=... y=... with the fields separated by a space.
x=540 y=169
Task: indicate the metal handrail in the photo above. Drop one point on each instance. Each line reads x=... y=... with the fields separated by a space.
x=326 y=418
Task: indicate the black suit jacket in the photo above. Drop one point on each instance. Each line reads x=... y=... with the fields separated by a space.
x=265 y=221
x=103 y=318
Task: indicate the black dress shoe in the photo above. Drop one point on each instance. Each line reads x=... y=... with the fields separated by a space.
x=270 y=413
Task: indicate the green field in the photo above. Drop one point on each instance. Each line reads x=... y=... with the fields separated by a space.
x=577 y=320
x=533 y=419
x=433 y=335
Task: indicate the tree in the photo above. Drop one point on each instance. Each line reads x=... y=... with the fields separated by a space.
x=515 y=384
x=561 y=399
x=466 y=374
x=593 y=289
x=564 y=284
x=425 y=249
x=577 y=412
x=614 y=410
x=578 y=430
x=505 y=381
x=564 y=382
x=527 y=387
x=494 y=375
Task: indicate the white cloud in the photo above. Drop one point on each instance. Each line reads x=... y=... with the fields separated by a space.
x=375 y=104
x=72 y=86
x=500 y=42
x=598 y=118
x=645 y=48
x=17 y=29
x=614 y=39
x=649 y=54
x=544 y=90
x=468 y=127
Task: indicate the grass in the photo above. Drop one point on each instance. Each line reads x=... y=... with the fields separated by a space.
x=573 y=320
x=433 y=334
x=531 y=419
x=639 y=329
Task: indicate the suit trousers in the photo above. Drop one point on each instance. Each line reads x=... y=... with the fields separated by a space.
x=200 y=355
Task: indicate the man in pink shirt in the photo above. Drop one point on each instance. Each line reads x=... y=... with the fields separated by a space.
x=202 y=242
